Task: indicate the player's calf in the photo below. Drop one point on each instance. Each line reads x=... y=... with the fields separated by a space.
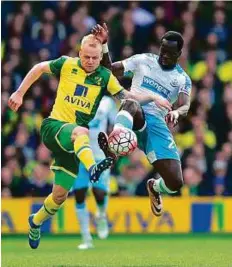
x=50 y=207
x=169 y=183
x=174 y=184
x=170 y=171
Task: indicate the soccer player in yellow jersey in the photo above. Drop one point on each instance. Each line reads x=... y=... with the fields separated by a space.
x=82 y=84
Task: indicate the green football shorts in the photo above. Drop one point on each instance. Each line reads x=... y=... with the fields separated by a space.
x=56 y=135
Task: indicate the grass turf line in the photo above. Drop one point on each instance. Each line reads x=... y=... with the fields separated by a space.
x=120 y=251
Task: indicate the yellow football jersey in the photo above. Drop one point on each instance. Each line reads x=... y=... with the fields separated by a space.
x=79 y=93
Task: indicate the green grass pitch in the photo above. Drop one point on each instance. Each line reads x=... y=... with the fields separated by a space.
x=121 y=251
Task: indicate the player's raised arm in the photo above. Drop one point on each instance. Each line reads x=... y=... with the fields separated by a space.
x=144 y=98
x=53 y=66
x=16 y=99
x=101 y=33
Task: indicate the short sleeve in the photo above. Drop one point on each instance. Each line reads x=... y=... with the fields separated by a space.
x=187 y=85
x=130 y=64
x=57 y=64
x=113 y=86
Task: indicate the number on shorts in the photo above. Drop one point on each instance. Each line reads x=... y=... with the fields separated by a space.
x=172 y=144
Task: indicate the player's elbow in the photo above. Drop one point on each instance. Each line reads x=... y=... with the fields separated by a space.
x=42 y=67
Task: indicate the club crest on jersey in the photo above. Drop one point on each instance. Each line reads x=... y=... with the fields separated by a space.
x=98 y=80
x=147 y=65
x=174 y=83
x=74 y=71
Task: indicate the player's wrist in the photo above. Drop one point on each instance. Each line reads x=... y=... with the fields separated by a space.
x=105 y=48
x=21 y=93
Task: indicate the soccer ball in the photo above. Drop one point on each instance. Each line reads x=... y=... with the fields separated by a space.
x=122 y=141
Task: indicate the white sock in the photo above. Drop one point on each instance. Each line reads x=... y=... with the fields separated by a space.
x=161 y=187
x=83 y=218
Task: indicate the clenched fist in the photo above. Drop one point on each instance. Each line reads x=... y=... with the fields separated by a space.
x=15 y=100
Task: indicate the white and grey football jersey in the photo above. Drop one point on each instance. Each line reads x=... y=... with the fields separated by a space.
x=148 y=76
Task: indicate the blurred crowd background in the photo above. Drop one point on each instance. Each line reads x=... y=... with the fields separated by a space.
x=37 y=31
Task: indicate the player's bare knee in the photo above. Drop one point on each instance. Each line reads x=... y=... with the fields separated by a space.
x=131 y=106
x=78 y=131
x=59 y=198
x=59 y=194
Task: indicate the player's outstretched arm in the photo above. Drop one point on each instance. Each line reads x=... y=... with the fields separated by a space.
x=144 y=98
x=16 y=99
x=102 y=34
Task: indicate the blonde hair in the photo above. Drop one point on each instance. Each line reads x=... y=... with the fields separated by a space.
x=91 y=41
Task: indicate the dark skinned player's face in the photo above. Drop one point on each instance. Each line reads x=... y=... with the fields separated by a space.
x=168 y=53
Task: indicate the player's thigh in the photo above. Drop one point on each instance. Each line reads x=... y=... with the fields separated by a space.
x=56 y=136
x=82 y=180
x=68 y=163
x=63 y=179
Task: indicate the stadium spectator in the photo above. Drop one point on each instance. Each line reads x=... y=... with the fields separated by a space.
x=39 y=185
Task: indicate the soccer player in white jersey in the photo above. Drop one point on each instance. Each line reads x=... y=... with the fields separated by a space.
x=159 y=74
x=105 y=115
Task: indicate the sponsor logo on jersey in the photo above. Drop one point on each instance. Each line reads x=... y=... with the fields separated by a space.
x=77 y=101
x=155 y=87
